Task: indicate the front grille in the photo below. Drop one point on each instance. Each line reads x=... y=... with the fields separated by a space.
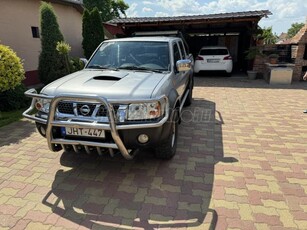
x=87 y=114
x=67 y=107
x=102 y=112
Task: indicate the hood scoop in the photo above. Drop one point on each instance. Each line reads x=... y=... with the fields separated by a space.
x=107 y=78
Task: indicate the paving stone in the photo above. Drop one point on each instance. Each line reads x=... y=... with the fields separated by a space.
x=37 y=225
x=286 y=218
x=275 y=204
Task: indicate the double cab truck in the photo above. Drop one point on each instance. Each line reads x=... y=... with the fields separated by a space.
x=128 y=96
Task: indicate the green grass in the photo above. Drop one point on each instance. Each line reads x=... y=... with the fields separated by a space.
x=10 y=117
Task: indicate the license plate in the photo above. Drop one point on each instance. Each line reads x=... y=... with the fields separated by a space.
x=213 y=60
x=83 y=132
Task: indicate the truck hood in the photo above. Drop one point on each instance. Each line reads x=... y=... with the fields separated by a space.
x=106 y=83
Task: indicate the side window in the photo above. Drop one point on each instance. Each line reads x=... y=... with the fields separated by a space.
x=182 y=50
x=177 y=56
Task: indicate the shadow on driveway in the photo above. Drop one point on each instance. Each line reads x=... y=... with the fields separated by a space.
x=14 y=133
x=145 y=193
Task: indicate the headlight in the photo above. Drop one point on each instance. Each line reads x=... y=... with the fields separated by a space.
x=42 y=105
x=143 y=111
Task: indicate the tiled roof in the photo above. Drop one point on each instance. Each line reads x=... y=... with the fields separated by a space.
x=234 y=15
x=299 y=35
x=296 y=39
x=78 y=4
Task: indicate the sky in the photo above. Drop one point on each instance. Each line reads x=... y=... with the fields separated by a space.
x=284 y=12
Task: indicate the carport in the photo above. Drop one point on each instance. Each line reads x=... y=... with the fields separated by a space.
x=234 y=30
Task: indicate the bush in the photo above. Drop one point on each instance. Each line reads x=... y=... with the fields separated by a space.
x=11 y=69
x=14 y=99
x=72 y=64
x=64 y=48
x=51 y=66
x=76 y=64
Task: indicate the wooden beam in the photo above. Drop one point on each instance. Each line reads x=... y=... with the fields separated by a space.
x=191 y=22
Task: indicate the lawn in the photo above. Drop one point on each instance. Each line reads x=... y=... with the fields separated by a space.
x=11 y=116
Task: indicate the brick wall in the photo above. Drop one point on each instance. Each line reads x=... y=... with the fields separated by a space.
x=300 y=62
x=284 y=52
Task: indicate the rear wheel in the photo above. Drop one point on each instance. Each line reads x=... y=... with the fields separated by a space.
x=167 y=149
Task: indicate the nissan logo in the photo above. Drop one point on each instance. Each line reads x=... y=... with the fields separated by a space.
x=85 y=110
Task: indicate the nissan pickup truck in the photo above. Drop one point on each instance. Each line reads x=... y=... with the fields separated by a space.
x=128 y=96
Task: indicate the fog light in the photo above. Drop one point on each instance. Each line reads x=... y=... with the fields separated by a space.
x=143 y=138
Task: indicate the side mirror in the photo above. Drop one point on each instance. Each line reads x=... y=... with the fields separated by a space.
x=184 y=65
x=84 y=61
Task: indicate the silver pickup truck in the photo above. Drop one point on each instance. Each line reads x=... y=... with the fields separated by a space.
x=128 y=97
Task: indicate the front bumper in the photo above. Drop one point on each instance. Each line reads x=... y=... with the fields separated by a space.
x=118 y=132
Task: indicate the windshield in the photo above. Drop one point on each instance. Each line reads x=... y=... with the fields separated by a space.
x=133 y=55
x=213 y=52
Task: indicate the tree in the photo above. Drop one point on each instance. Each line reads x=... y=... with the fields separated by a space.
x=50 y=66
x=268 y=36
x=92 y=31
x=295 y=27
x=108 y=9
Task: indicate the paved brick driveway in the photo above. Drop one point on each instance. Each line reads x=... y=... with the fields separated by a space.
x=241 y=164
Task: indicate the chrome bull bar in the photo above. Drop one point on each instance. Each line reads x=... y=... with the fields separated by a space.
x=111 y=125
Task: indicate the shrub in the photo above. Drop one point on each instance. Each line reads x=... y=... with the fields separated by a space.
x=11 y=69
x=72 y=64
x=64 y=48
x=92 y=31
x=14 y=99
x=76 y=64
x=50 y=65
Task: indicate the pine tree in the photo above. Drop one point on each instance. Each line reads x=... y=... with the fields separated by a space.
x=92 y=31
x=86 y=34
x=50 y=66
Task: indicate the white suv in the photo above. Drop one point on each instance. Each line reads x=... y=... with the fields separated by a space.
x=213 y=58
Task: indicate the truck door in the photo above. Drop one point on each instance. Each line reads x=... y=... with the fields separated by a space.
x=180 y=77
x=184 y=55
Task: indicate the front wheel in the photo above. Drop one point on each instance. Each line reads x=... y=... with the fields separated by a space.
x=167 y=149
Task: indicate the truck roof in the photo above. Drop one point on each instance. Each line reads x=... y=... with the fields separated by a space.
x=152 y=38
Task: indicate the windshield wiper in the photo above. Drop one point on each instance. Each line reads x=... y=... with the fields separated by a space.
x=96 y=66
x=140 y=68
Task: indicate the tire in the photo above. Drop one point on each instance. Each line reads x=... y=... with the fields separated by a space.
x=189 y=99
x=167 y=149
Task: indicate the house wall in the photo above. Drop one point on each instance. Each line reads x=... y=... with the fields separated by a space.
x=16 y=19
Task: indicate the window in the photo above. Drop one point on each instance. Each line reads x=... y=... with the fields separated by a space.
x=35 y=32
x=182 y=49
x=132 y=54
x=176 y=53
x=213 y=52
